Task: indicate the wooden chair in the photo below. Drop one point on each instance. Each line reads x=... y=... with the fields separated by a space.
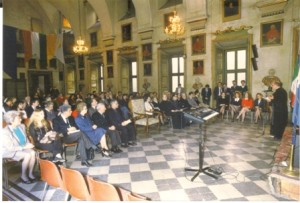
x=75 y=184
x=108 y=191
x=51 y=176
x=7 y=163
x=141 y=117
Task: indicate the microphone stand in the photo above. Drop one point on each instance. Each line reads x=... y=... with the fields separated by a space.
x=214 y=174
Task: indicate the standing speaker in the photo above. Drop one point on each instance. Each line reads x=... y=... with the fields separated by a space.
x=254 y=64
x=254 y=50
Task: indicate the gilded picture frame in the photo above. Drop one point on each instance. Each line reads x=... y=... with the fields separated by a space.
x=271 y=33
x=198 y=67
x=231 y=10
x=199 y=44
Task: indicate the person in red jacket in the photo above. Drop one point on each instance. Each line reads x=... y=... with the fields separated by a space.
x=247 y=105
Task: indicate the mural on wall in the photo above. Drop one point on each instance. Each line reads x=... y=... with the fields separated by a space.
x=198 y=44
x=271 y=33
x=231 y=10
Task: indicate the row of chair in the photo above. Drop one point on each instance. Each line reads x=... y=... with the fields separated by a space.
x=82 y=187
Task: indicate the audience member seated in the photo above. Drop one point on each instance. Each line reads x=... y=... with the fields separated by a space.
x=123 y=105
x=34 y=104
x=100 y=119
x=183 y=102
x=172 y=108
x=7 y=105
x=235 y=104
x=20 y=107
x=44 y=137
x=217 y=93
x=95 y=134
x=115 y=117
x=192 y=101
x=247 y=105
x=66 y=125
x=259 y=106
x=223 y=103
x=16 y=146
x=151 y=109
x=93 y=107
x=50 y=114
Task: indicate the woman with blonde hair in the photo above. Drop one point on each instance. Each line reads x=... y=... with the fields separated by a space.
x=16 y=146
x=43 y=135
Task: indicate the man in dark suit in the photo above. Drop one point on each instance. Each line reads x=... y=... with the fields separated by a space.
x=128 y=134
x=217 y=92
x=206 y=94
x=100 y=119
x=65 y=124
x=34 y=104
x=279 y=109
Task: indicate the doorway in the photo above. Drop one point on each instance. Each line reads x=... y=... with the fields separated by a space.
x=39 y=79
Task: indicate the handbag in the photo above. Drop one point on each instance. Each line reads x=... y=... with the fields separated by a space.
x=90 y=154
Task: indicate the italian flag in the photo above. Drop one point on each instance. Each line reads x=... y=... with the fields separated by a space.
x=296 y=80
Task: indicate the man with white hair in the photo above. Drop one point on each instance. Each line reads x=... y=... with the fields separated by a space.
x=99 y=119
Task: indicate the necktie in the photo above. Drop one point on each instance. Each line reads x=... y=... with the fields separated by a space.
x=67 y=120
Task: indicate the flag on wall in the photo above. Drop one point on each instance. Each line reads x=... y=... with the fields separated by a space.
x=27 y=45
x=59 y=51
x=35 y=42
x=10 y=51
x=51 y=45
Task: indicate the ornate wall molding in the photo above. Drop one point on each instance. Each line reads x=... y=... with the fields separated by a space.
x=271 y=7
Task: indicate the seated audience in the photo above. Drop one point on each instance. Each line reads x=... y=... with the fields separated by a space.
x=115 y=117
x=7 y=105
x=66 y=125
x=235 y=104
x=93 y=107
x=16 y=146
x=20 y=107
x=34 y=104
x=43 y=135
x=259 y=106
x=183 y=102
x=192 y=101
x=95 y=134
x=50 y=114
x=247 y=105
x=223 y=103
x=100 y=119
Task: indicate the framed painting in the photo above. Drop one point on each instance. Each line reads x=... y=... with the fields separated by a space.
x=126 y=32
x=198 y=67
x=110 y=72
x=271 y=33
x=198 y=44
x=93 y=37
x=109 y=57
x=231 y=10
x=147 y=69
x=147 y=52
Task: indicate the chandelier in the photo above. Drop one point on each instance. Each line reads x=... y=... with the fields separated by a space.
x=174 y=28
x=80 y=48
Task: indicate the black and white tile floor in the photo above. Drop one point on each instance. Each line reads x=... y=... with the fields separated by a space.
x=156 y=166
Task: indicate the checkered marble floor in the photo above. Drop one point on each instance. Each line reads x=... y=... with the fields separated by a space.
x=156 y=166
